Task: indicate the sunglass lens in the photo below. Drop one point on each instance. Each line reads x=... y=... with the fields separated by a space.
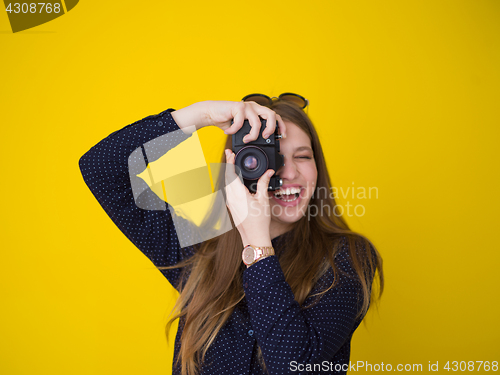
x=294 y=98
x=259 y=99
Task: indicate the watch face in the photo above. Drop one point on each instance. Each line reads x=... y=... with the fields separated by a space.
x=248 y=255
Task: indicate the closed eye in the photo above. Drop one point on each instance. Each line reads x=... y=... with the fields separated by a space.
x=303 y=157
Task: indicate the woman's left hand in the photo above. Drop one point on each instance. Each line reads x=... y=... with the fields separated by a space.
x=250 y=212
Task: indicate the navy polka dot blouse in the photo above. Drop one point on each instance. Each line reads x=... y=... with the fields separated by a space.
x=293 y=340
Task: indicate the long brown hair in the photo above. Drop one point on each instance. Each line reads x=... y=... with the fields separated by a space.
x=212 y=277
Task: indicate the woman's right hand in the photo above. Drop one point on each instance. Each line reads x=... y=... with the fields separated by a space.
x=220 y=113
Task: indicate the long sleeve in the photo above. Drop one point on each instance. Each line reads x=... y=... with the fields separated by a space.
x=291 y=337
x=109 y=168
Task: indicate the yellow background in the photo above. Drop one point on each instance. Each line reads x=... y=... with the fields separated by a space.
x=404 y=94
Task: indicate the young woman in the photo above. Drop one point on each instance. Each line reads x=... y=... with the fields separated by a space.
x=285 y=289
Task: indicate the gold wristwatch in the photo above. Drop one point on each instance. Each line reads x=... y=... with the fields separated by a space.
x=252 y=254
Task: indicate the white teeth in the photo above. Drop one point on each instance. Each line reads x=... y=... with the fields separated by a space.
x=288 y=194
x=288 y=191
x=282 y=198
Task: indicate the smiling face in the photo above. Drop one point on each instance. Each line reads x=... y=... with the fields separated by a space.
x=299 y=175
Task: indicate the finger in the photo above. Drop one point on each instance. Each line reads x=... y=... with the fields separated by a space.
x=236 y=194
x=262 y=186
x=229 y=153
x=281 y=126
x=232 y=171
x=230 y=174
x=255 y=123
x=238 y=119
x=270 y=123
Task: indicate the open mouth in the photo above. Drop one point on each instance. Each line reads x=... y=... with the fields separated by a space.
x=288 y=194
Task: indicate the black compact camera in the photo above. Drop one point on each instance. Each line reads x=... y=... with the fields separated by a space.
x=256 y=157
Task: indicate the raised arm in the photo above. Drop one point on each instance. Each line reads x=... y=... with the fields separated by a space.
x=109 y=168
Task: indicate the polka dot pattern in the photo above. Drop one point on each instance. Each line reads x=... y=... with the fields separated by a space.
x=268 y=317
x=105 y=170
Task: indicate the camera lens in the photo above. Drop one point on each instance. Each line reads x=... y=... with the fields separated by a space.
x=250 y=163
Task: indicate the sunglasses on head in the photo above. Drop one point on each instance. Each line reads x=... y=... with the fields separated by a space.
x=267 y=101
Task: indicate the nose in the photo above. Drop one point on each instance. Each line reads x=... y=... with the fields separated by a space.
x=288 y=171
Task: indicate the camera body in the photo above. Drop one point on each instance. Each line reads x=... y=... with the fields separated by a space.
x=256 y=157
